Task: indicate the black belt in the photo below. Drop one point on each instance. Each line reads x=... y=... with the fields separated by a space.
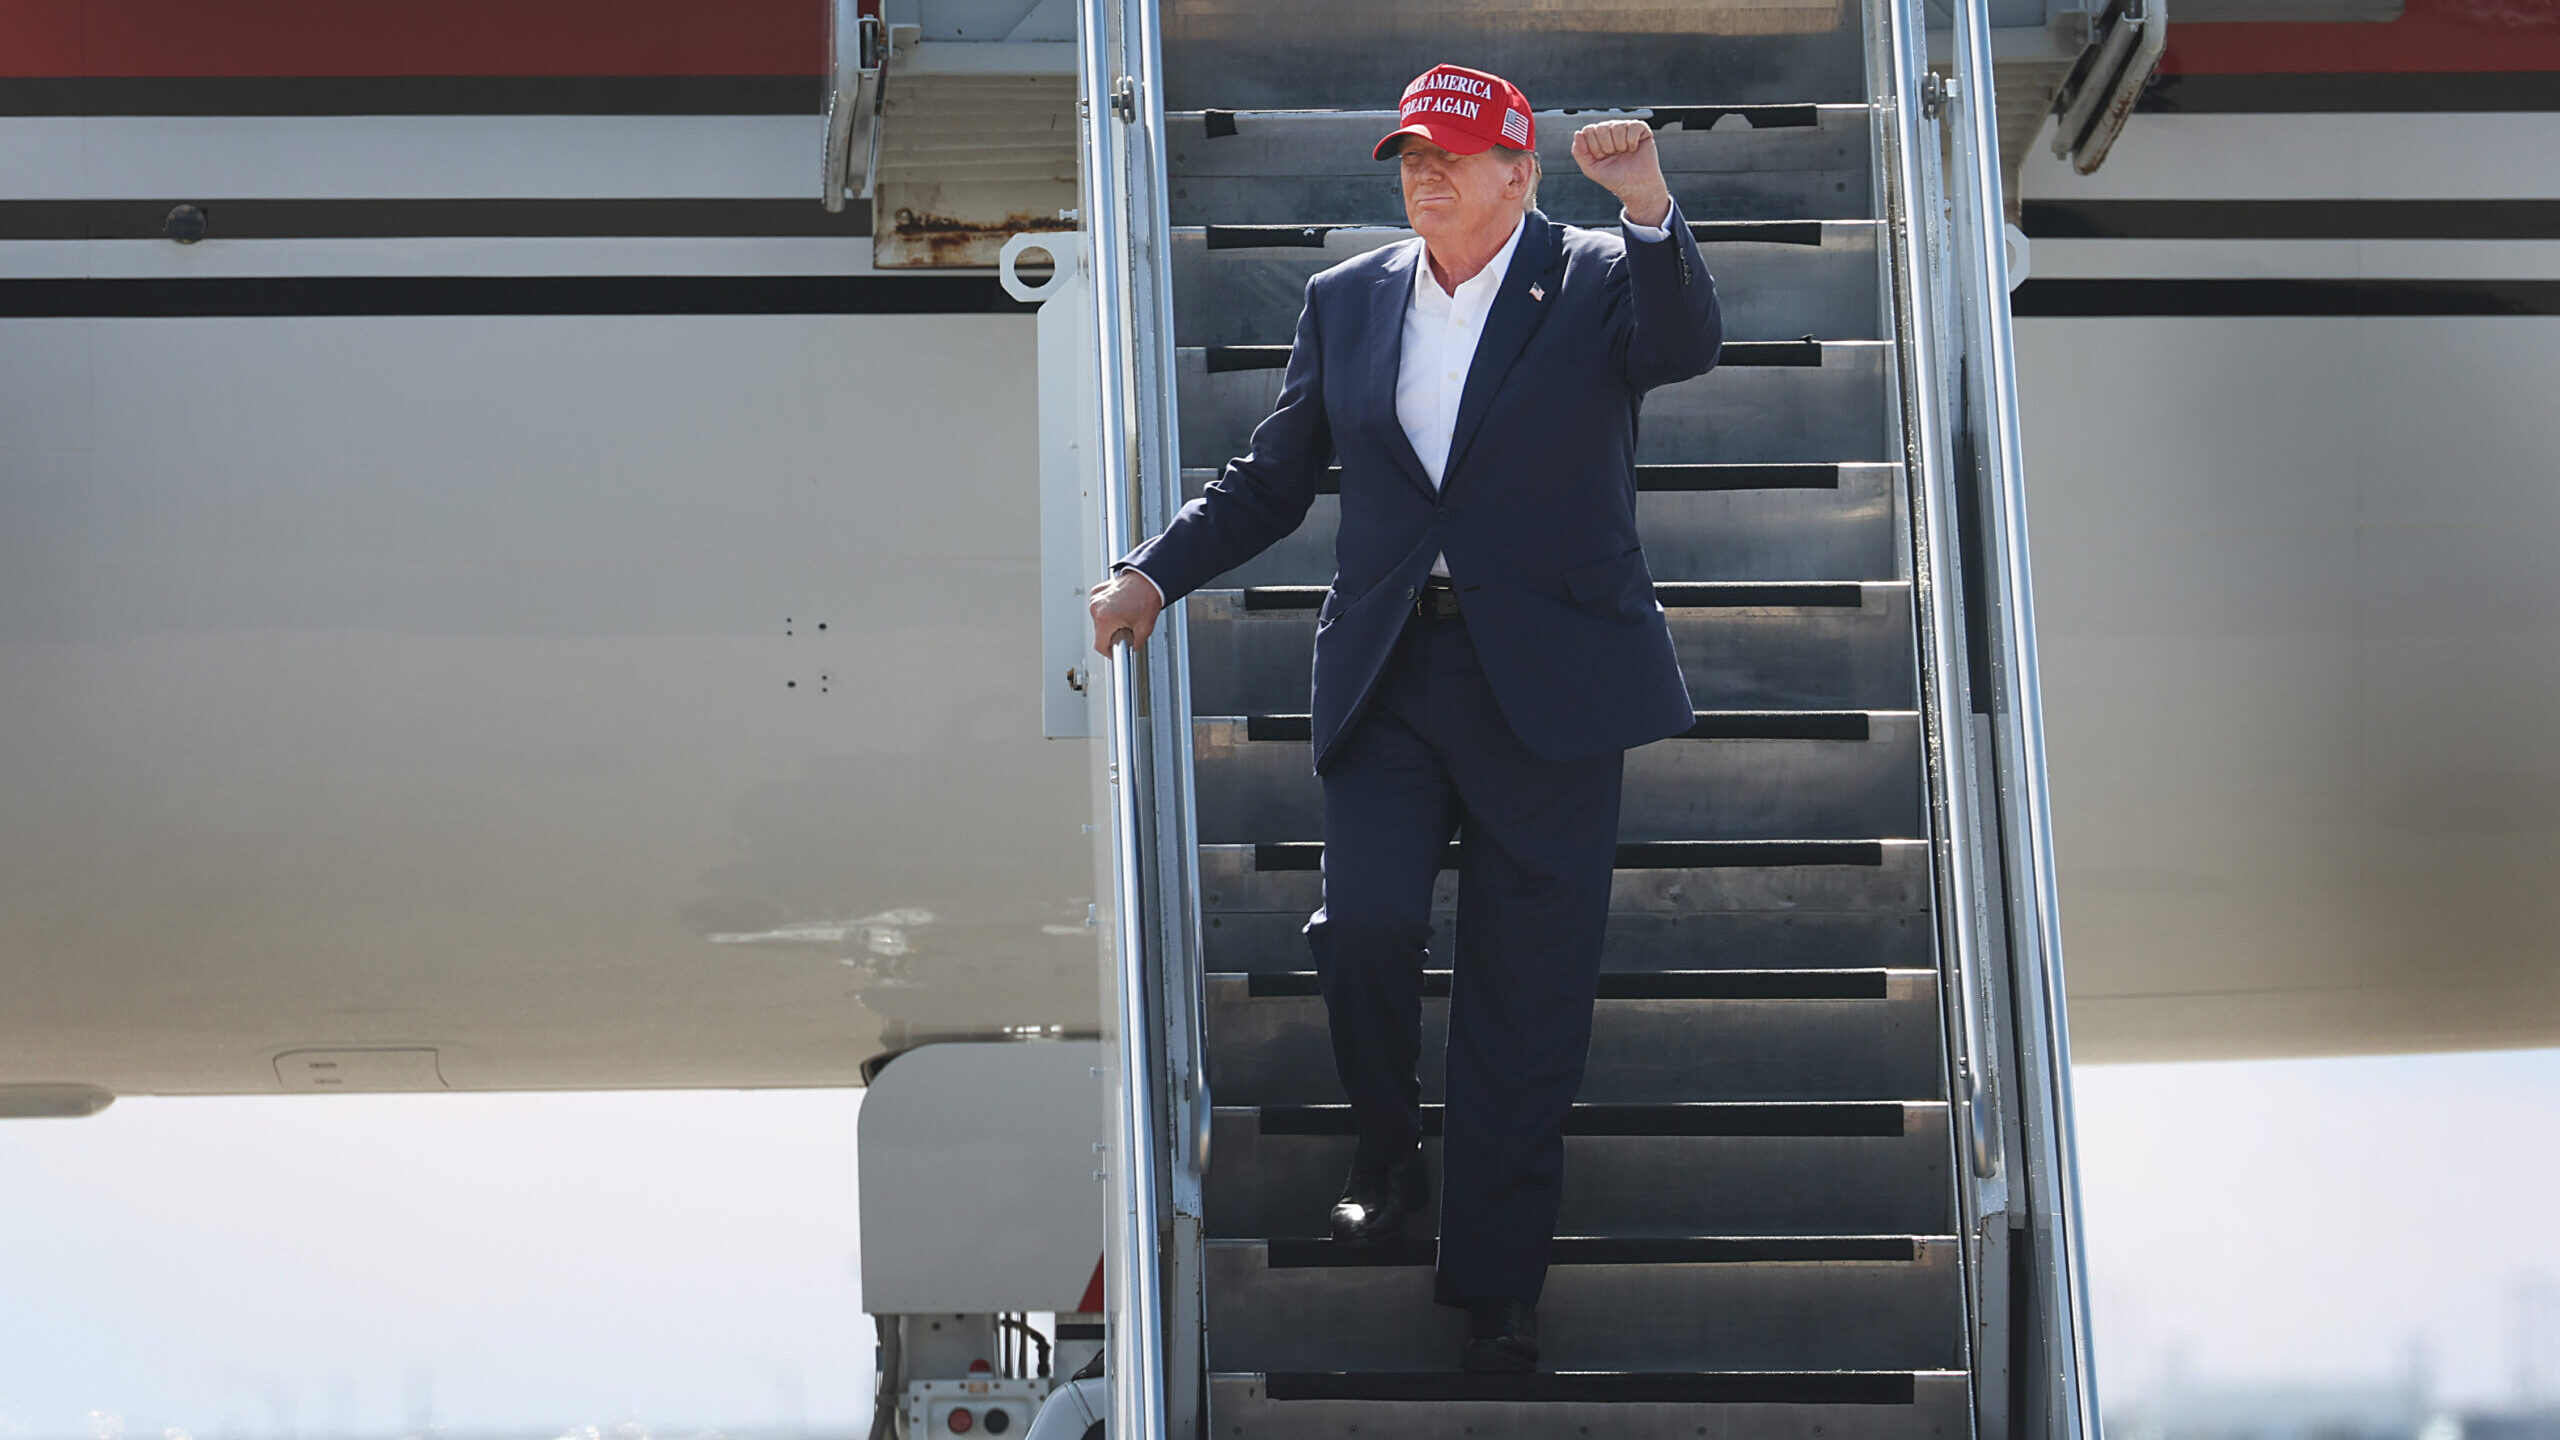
x=1436 y=600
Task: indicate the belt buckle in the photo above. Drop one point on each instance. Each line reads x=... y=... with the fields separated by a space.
x=1436 y=602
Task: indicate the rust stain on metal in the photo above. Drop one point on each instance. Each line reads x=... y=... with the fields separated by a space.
x=927 y=239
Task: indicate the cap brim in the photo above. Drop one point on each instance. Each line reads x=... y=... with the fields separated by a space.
x=1449 y=138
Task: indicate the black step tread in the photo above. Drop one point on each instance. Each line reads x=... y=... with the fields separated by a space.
x=1301 y=1253
x=1706 y=232
x=1643 y=855
x=1710 y=725
x=1673 y=595
x=1662 y=478
x=1788 y=115
x=1867 y=984
x=1854 y=1118
x=1807 y=352
x=1606 y=1387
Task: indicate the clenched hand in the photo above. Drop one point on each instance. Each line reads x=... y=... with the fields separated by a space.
x=1620 y=157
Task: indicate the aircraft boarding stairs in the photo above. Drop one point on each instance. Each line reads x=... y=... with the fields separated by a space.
x=1758 y=1201
x=1777 y=1218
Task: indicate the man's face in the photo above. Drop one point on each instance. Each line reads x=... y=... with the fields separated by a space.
x=1452 y=195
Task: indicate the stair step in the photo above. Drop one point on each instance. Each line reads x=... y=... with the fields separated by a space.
x=1647 y=985
x=1290 y=167
x=1642 y=855
x=1267 y=1185
x=1793 y=413
x=1324 y=1253
x=1690 y=1117
x=1736 y=917
x=1776 y=280
x=1850 y=1313
x=1651 y=478
x=1679 y=1404
x=1800 y=354
x=1361 y=52
x=1797 y=787
x=1781 y=1387
x=1638 y=942
x=1833 y=523
x=1888 y=876
x=1709 y=725
x=1343 y=241
x=1277 y=1050
x=1671 y=594
x=1761 y=646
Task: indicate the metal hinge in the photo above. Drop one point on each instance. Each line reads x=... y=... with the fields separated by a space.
x=1124 y=97
x=1936 y=93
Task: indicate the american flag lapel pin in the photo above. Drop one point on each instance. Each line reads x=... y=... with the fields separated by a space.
x=1537 y=292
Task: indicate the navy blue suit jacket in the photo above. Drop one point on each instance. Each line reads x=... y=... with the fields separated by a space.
x=1537 y=509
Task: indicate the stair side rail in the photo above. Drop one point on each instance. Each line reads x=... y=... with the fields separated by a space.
x=1161 y=1119
x=1133 y=1291
x=1913 y=196
x=1159 y=493
x=2036 y=1011
x=1175 y=923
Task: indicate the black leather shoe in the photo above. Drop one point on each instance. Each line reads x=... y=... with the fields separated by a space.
x=1502 y=1337
x=1376 y=1198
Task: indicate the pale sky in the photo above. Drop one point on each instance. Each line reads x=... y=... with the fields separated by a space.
x=2311 y=1219
x=304 y=1266
x=316 y=1264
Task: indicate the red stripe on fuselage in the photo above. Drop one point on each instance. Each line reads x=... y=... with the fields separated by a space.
x=294 y=38
x=286 y=38
x=2432 y=37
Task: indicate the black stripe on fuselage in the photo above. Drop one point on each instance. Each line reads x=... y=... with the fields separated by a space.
x=2291 y=219
x=2047 y=299
x=2462 y=92
x=388 y=295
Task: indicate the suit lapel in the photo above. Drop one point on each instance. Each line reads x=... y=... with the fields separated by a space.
x=1507 y=327
x=1390 y=298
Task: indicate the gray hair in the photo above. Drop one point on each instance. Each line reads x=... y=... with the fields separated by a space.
x=1529 y=197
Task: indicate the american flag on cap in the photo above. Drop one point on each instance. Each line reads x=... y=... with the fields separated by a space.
x=1463 y=111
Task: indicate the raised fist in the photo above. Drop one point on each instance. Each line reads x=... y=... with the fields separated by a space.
x=1621 y=158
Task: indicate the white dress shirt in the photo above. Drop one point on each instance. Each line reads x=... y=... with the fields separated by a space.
x=1441 y=332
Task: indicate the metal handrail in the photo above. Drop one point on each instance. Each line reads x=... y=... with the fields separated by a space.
x=1150 y=222
x=1945 y=707
x=2030 y=835
x=1137 y=1342
x=1136 y=1365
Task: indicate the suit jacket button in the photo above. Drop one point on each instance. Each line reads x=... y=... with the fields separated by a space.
x=1444 y=512
x=1408 y=592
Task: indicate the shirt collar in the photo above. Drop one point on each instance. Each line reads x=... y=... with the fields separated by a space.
x=1475 y=292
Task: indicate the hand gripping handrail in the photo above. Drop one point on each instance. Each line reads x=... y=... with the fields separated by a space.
x=1159 y=447
x=1946 y=710
x=1135 y=1289
x=2035 y=893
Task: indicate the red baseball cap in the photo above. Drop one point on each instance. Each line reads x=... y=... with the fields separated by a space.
x=1463 y=111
